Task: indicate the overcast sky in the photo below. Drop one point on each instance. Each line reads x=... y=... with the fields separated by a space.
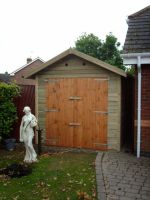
x=45 y=28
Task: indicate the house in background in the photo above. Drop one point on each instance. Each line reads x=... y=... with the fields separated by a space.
x=19 y=74
x=5 y=78
x=136 y=52
x=78 y=101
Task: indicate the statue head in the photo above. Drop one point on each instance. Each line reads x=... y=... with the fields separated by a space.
x=27 y=110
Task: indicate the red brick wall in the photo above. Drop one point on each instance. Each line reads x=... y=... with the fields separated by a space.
x=145 y=143
x=146 y=92
x=145 y=109
x=19 y=76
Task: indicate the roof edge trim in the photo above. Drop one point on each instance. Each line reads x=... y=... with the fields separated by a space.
x=127 y=55
x=79 y=54
x=17 y=70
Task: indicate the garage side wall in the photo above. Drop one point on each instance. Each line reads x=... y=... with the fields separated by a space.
x=74 y=67
x=114 y=116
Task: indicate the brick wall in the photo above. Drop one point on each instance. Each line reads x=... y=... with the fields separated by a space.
x=145 y=110
x=146 y=92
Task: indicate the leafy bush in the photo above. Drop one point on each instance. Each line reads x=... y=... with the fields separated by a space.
x=8 y=112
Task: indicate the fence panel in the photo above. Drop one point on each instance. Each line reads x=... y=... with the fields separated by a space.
x=27 y=98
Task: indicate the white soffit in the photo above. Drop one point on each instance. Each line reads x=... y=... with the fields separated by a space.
x=132 y=58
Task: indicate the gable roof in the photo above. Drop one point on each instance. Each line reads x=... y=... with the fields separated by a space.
x=138 y=34
x=26 y=65
x=80 y=55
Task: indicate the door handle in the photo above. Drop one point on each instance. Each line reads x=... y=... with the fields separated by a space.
x=75 y=98
x=100 y=112
x=74 y=124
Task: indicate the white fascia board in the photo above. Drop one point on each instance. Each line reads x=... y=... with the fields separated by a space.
x=131 y=58
x=145 y=60
x=130 y=61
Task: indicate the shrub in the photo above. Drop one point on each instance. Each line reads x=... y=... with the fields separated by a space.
x=8 y=112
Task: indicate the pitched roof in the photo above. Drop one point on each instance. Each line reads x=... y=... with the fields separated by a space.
x=138 y=34
x=26 y=65
x=80 y=55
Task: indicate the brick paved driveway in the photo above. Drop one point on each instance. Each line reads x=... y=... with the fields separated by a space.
x=122 y=176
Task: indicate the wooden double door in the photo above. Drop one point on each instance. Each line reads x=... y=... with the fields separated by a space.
x=76 y=113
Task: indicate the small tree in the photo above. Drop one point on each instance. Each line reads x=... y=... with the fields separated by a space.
x=8 y=112
x=110 y=52
x=89 y=44
x=107 y=51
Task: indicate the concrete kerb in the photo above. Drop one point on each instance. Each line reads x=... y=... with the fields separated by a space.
x=101 y=190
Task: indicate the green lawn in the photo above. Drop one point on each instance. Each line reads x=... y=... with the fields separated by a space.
x=55 y=177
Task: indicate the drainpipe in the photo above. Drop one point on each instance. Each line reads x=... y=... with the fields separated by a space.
x=139 y=108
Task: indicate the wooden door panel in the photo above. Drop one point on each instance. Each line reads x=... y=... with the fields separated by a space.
x=91 y=112
x=66 y=113
x=100 y=132
x=58 y=128
x=79 y=113
x=82 y=114
x=100 y=114
x=52 y=116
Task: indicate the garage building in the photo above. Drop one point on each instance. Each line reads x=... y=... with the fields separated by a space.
x=78 y=101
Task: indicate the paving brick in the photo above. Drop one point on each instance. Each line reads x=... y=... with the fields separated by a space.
x=129 y=179
x=124 y=176
x=136 y=183
x=125 y=182
x=138 y=187
x=146 y=188
x=126 y=198
x=145 y=193
x=102 y=196
x=134 y=191
x=111 y=191
x=131 y=195
x=145 y=197
x=146 y=184
x=112 y=197
x=124 y=186
x=119 y=193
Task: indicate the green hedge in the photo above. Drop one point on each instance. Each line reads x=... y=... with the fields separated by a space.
x=8 y=112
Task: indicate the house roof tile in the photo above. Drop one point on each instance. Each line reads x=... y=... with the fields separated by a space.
x=138 y=34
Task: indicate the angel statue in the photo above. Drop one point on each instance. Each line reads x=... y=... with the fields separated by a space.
x=27 y=133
